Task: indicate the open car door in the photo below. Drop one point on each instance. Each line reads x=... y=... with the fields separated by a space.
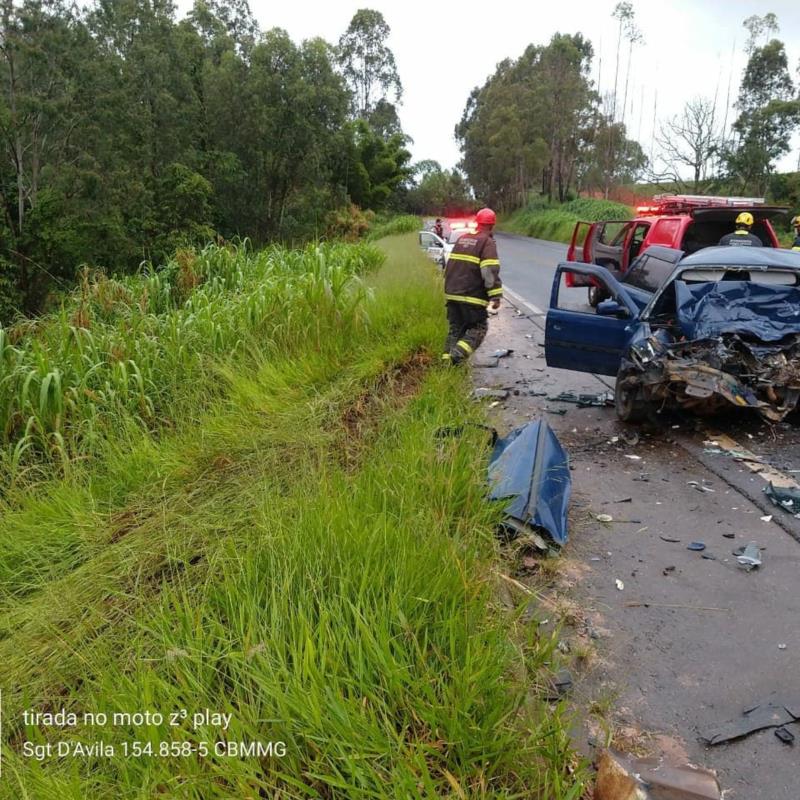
x=433 y=245
x=603 y=244
x=580 y=338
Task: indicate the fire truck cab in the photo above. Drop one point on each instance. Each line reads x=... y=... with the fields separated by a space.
x=684 y=222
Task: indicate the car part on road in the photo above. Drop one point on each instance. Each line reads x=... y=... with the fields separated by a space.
x=750 y=557
x=531 y=468
x=622 y=777
x=786 y=736
x=774 y=712
x=697 y=546
x=784 y=497
x=599 y=400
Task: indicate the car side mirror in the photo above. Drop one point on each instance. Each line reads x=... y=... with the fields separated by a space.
x=612 y=308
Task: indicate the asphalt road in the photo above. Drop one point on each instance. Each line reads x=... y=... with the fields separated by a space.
x=688 y=642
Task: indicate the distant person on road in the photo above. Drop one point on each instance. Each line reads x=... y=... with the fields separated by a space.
x=796 y=226
x=471 y=284
x=742 y=237
x=438 y=228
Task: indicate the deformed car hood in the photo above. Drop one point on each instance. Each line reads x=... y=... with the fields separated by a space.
x=764 y=312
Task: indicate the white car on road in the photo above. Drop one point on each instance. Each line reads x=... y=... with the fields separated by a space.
x=437 y=248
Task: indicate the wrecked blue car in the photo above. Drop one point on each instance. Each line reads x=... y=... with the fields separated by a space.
x=717 y=328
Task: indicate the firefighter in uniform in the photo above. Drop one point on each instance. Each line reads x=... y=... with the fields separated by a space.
x=742 y=237
x=471 y=283
x=796 y=226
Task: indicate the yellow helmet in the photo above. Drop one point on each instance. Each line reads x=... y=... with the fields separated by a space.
x=745 y=218
x=796 y=222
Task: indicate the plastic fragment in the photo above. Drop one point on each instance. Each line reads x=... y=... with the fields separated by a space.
x=604 y=518
x=620 y=585
x=750 y=557
x=786 y=736
x=698 y=546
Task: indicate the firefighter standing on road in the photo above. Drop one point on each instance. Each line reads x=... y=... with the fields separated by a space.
x=796 y=226
x=471 y=283
x=742 y=237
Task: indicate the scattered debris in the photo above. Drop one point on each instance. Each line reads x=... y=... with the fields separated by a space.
x=619 y=584
x=604 y=518
x=623 y=500
x=701 y=487
x=585 y=400
x=781 y=646
x=785 y=497
x=774 y=712
x=709 y=556
x=750 y=557
x=697 y=546
x=530 y=468
x=561 y=684
x=630 y=438
x=729 y=535
x=560 y=411
x=669 y=539
x=634 y=458
x=625 y=778
x=786 y=736
x=668 y=570
x=767 y=518
x=502 y=353
x=483 y=391
x=644 y=477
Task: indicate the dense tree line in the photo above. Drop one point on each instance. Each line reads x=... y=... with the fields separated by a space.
x=537 y=124
x=125 y=132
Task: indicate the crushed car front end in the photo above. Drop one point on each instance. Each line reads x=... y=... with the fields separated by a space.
x=721 y=334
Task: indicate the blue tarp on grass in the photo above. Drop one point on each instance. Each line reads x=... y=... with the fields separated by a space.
x=531 y=468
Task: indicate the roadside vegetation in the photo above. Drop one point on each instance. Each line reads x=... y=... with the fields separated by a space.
x=556 y=221
x=229 y=494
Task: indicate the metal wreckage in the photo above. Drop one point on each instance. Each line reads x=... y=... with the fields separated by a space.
x=735 y=342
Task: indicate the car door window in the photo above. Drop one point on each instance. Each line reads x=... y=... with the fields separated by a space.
x=427 y=240
x=575 y=298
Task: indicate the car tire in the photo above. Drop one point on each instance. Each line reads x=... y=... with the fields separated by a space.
x=628 y=399
x=596 y=296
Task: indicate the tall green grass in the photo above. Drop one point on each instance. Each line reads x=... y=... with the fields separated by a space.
x=136 y=352
x=401 y=223
x=556 y=222
x=300 y=551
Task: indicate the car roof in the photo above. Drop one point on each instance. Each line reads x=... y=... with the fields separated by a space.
x=742 y=257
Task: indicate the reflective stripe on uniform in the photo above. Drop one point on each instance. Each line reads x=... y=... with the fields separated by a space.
x=797 y=248
x=460 y=298
x=446 y=356
x=463 y=257
x=490 y=262
x=495 y=292
x=464 y=346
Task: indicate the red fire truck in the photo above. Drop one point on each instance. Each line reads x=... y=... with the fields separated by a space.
x=683 y=221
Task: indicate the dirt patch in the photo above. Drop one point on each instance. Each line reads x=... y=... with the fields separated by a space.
x=391 y=390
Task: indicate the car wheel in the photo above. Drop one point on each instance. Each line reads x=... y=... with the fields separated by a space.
x=596 y=296
x=628 y=398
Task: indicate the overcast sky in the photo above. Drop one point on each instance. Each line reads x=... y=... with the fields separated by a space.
x=445 y=49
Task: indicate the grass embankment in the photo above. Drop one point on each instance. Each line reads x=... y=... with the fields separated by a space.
x=401 y=223
x=555 y=222
x=261 y=523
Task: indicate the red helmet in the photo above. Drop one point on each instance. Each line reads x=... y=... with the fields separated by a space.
x=486 y=217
